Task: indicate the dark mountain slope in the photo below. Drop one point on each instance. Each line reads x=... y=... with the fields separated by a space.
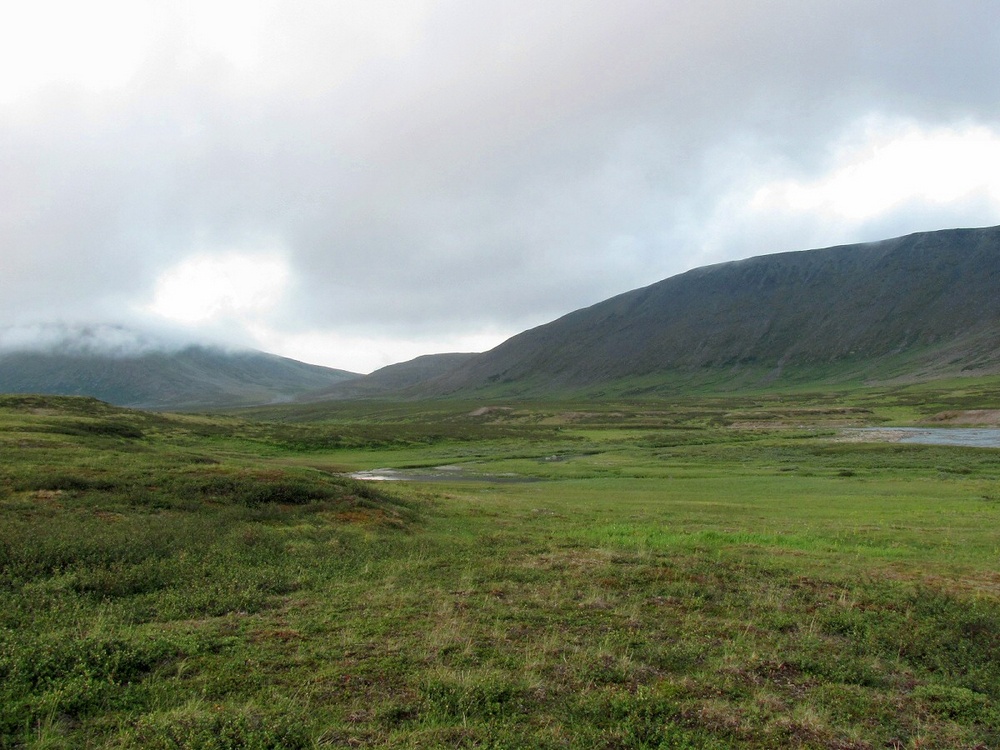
x=194 y=377
x=391 y=379
x=931 y=300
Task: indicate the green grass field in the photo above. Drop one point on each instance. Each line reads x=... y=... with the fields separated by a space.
x=711 y=572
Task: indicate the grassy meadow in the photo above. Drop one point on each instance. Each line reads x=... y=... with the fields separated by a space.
x=713 y=571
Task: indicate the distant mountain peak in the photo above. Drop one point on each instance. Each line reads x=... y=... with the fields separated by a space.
x=916 y=307
x=126 y=367
x=89 y=339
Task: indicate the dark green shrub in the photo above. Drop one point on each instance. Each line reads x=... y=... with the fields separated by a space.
x=218 y=727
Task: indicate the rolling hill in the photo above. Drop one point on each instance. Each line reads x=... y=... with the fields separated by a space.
x=918 y=307
x=921 y=306
x=392 y=379
x=189 y=378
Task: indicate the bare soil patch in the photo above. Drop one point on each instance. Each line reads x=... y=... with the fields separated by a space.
x=980 y=417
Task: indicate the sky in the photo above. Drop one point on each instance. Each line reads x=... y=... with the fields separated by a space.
x=354 y=183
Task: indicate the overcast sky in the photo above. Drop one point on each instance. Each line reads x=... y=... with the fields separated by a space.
x=357 y=182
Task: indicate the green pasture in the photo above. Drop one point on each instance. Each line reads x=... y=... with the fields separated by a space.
x=708 y=572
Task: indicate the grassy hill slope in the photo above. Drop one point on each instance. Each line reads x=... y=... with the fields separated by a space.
x=194 y=377
x=923 y=305
x=392 y=378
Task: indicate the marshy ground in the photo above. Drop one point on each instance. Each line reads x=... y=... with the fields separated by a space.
x=710 y=573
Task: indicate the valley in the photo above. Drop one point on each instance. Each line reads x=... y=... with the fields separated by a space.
x=709 y=571
x=919 y=308
x=450 y=375
x=690 y=516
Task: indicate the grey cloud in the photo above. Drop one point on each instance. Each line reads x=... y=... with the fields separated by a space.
x=107 y=339
x=509 y=163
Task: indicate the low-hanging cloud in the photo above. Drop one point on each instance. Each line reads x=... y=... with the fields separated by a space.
x=440 y=172
x=104 y=339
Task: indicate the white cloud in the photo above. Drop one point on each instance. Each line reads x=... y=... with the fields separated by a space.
x=102 y=45
x=97 y=45
x=434 y=172
x=365 y=352
x=98 y=338
x=888 y=164
x=227 y=287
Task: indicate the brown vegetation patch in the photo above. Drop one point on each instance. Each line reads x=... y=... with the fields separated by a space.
x=482 y=411
x=578 y=416
x=978 y=417
x=849 y=745
x=792 y=419
x=109 y=516
x=887 y=435
x=284 y=635
x=369 y=517
x=976 y=583
x=569 y=560
x=716 y=716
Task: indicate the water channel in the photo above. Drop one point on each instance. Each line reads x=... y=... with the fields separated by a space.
x=437 y=474
x=970 y=437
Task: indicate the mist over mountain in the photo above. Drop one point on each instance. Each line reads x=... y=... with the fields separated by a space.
x=83 y=339
x=128 y=367
x=917 y=307
x=921 y=306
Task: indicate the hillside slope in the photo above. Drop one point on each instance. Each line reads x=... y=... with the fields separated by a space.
x=923 y=305
x=391 y=379
x=193 y=377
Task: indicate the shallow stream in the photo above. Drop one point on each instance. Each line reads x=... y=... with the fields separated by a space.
x=972 y=437
x=437 y=474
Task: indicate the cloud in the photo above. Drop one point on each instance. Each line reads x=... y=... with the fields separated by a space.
x=205 y=288
x=440 y=172
x=75 y=338
x=891 y=164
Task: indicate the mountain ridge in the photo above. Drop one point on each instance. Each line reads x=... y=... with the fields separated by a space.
x=191 y=377
x=922 y=306
x=862 y=304
x=391 y=379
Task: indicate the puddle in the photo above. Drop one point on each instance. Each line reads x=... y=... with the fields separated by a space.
x=437 y=474
x=970 y=437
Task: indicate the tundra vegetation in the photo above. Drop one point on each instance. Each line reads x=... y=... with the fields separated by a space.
x=711 y=571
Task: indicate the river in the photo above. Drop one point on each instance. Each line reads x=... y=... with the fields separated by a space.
x=437 y=474
x=970 y=437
